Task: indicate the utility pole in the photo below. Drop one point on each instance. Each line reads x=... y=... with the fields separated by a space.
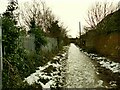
x=80 y=31
x=1 y=64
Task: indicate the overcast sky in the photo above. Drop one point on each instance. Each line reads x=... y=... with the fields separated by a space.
x=70 y=12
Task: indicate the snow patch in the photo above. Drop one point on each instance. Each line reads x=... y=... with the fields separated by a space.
x=104 y=62
x=114 y=67
x=40 y=74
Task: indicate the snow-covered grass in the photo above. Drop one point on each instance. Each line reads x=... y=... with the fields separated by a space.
x=105 y=62
x=48 y=75
x=114 y=67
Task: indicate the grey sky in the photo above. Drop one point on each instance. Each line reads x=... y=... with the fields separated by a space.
x=70 y=12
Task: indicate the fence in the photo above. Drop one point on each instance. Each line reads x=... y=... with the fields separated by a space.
x=29 y=45
x=51 y=44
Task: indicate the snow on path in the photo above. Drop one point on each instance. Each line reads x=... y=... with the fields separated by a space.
x=80 y=72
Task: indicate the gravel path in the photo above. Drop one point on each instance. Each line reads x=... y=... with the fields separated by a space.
x=80 y=71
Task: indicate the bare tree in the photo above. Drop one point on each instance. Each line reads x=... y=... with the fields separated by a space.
x=99 y=11
x=39 y=12
x=42 y=16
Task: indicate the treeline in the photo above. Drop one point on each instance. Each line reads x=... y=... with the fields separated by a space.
x=41 y=23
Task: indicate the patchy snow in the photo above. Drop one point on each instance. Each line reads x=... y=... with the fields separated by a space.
x=47 y=85
x=113 y=83
x=56 y=57
x=31 y=79
x=64 y=54
x=40 y=74
x=100 y=82
x=55 y=64
x=104 y=62
x=114 y=67
x=42 y=68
